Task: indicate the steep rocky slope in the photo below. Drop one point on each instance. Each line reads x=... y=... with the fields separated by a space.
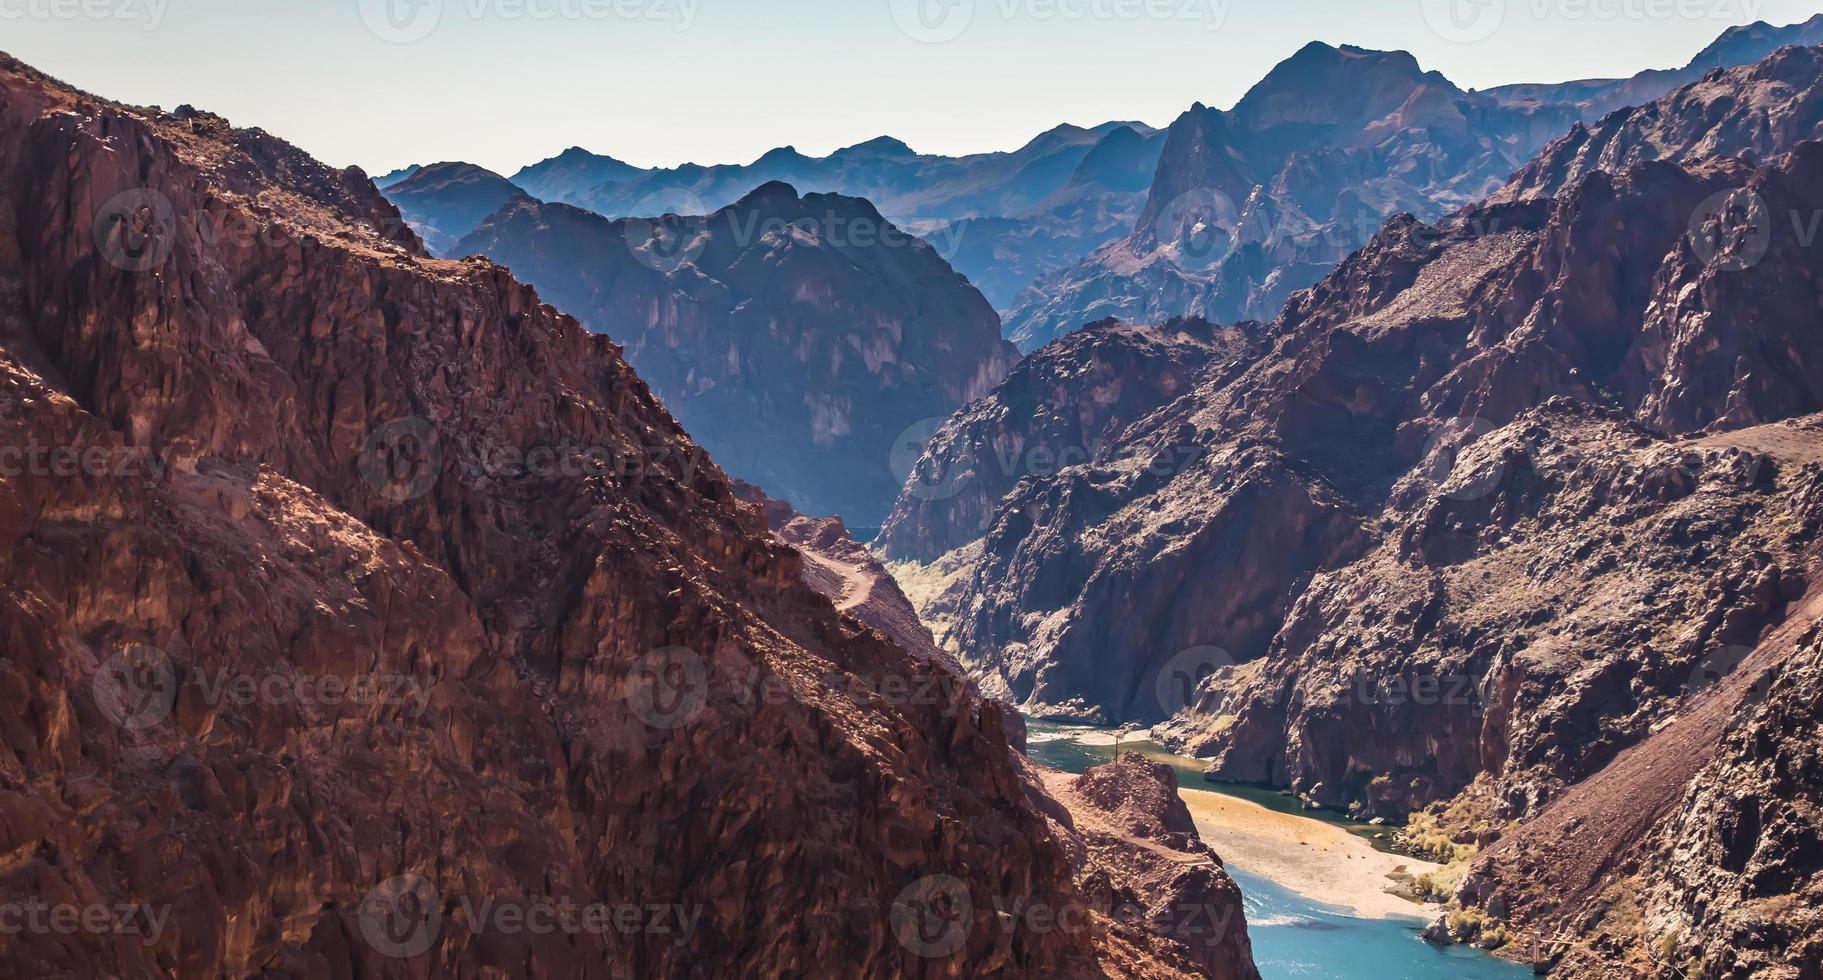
x=1137 y=852
x=1696 y=852
x=1253 y=203
x=512 y=646
x=1064 y=405
x=446 y=201
x=1760 y=109
x=1513 y=514
x=1315 y=455
x=796 y=337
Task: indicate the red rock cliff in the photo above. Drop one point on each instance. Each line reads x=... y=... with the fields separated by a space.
x=361 y=614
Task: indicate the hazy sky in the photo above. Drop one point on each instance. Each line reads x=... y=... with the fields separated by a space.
x=383 y=83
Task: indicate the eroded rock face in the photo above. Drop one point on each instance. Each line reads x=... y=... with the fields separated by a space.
x=1137 y=854
x=383 y=609
x=1063 y=406
x=1251 y=204
x=797 y=337
x=1093 y=580
x=1695 y=852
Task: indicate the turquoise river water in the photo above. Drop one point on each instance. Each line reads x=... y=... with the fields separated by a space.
x=1292 y=935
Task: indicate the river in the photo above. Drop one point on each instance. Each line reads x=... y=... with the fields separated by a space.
x=1294 y=936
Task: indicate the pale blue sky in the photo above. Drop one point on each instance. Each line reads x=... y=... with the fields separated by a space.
x=659 y=82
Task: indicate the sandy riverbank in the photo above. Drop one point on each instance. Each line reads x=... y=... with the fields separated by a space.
x=1320 y=861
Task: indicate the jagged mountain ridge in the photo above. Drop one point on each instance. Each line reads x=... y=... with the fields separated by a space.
x=1255 y=202
x=1002 y=218
x=1230 y=238
x=1757 y=109
x=264 y=532
x=1594 y=98
x=796 y=337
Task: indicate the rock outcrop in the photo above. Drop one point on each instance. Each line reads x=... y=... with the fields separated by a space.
x=1137 y=854
x=364 y=616
x=1064 y=405
x=798 y=338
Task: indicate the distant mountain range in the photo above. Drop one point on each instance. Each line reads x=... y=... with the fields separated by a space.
x=1003 y=219
x=1223 y=215
x=1596 y=97
x=1253 y=204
